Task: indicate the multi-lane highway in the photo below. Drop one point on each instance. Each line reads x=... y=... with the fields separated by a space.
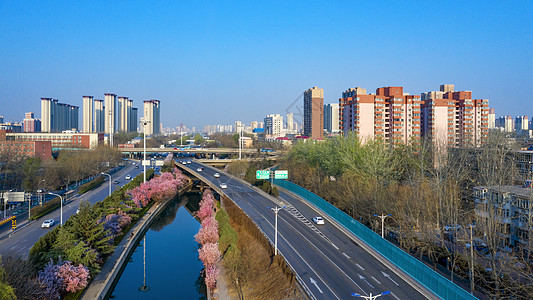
x=330 y=264
x=20 y=242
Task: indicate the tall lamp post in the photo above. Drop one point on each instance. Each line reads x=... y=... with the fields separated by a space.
x=276 y=210
x=144 y=122
x=383 y=217
x=5 y=204
x=240 y=142
x=61 y=199
x=371 y=297
x=109 y=182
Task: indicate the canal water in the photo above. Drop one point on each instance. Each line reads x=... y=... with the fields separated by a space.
x=173 y=270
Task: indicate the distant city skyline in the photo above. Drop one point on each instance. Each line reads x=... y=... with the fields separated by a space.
x=213 y=62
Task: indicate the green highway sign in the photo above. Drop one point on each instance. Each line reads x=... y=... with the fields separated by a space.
x=262 y=174
x=281 y=174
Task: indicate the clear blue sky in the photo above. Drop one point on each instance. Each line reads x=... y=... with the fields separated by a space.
x=216 y=62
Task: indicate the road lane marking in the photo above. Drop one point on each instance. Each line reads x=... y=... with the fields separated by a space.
x=316 y=285
x=345 y=255
x=359 y=266
x=394 y=296
x=388 y=276
x=364 y=279
x=375 y=279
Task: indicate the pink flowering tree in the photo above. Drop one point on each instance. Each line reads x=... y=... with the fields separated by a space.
x=209 y=254
x=208 y=233
x=211 y=275
x=74 y=278
x=141 y=195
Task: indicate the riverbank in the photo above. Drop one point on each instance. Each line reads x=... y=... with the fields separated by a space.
x=101 y=285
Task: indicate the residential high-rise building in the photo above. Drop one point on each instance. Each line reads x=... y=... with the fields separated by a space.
x=389 y=115
x=238 y=126
x=125 y=114
x=506 y=123
x=455 y=119
x=347 y=97
x=99 y=116
x=88 y=114
x=290 y=122
x=314 y=113
x=134 y=120
x=110 y=113
x=521 y=124
x=274 y=124
x=492 y=118
x=331 y=117
x=1 y=119
x=152 y=115
x=57 y=117
x=30 y=123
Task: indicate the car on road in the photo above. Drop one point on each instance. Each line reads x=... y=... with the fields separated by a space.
x=128 y=177
x=189 y=161
x=136 y=167
x=116 y=182
x=48 y=223
x=200 y=169
x=318 y=220
x=217 y=175
x=183 y=162
x=223 y=186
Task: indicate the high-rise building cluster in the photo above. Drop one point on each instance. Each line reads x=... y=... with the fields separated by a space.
x=58 y=117
x=109 y=115
x=445 y=117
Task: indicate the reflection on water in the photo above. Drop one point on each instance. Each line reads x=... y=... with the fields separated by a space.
x=172 y=266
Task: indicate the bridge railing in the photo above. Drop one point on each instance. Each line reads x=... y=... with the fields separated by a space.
x=432 y=280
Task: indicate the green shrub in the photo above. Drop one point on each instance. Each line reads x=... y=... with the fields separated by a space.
x=91 y=185
x=39 y=211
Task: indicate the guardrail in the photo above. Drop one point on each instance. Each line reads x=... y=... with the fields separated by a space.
x=7 y=220
x=426 y=276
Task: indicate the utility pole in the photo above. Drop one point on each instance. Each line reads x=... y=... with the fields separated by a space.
x=144 y=122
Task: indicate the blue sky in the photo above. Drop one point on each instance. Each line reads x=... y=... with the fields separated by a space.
x=217 y=62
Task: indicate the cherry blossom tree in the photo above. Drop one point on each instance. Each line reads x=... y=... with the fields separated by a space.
x=208 y=233
x=74 y=278
x=209 y=254
x=211 y=275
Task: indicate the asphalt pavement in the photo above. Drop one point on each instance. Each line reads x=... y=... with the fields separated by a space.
x=20 y=241
x=330 y=264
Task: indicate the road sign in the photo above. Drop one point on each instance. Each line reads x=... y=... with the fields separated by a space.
x=146 y=162
x=159 y=163
x=281 y=174
x=262 y=174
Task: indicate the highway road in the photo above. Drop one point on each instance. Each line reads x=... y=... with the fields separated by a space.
x=21 y=241
x=330 y=264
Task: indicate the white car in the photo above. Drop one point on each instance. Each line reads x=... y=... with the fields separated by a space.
x=189 y=161
x=128 y=177
x=48 y=223
x=318 y=220
x=199 y=169
x=183 y=162
x=223 y=186
x=216 y=175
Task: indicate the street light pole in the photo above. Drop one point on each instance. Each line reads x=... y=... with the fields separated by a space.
x=472 y=261
x=61 y=199
x=144 y=122
x=383 y=217
x=109 y=182
x=276 y=210
x=371 y=297
x=240 y=142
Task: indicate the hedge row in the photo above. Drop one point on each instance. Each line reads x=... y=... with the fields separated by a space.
x=47 y=207
x=91 y=185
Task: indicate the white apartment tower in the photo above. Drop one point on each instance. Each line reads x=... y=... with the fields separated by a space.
x=152 y=115
x=88 y=111
x=331 y=118
x=274 y=124
x=110 y=113
x=99 y=116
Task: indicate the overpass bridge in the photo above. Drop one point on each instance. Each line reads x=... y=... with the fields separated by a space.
x=246 y=151
x=329 y=261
